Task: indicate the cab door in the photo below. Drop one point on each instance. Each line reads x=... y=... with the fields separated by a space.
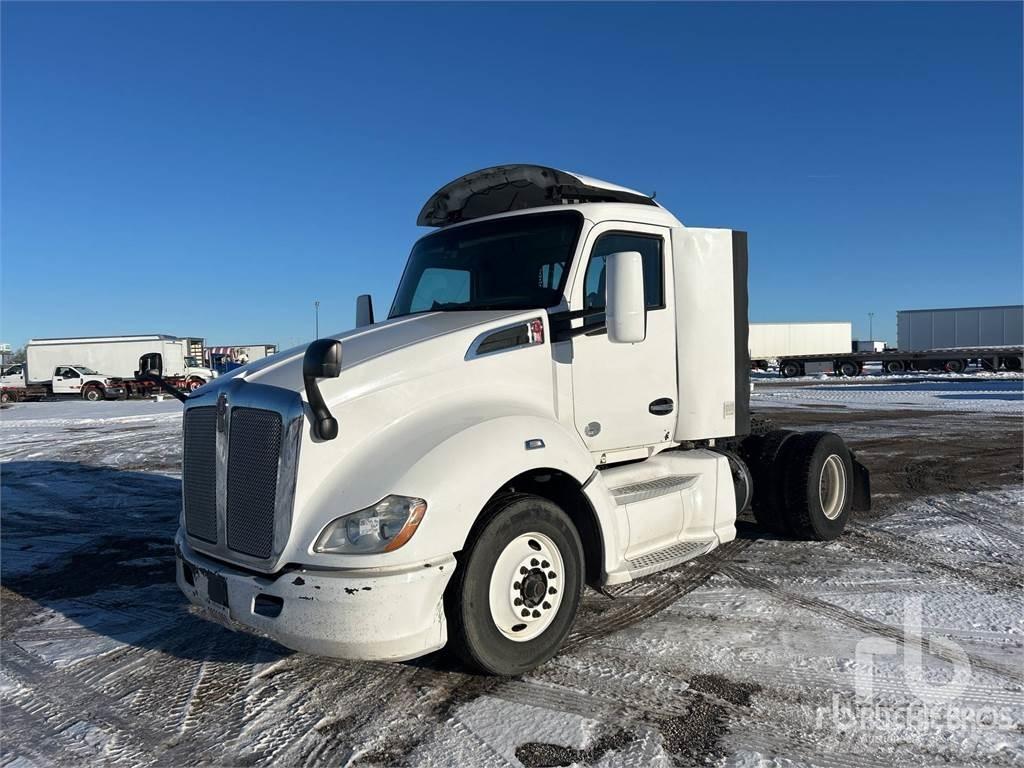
x=66 y=381
x=624 y=394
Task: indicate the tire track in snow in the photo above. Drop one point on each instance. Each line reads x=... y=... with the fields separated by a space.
x=864 y=624
x=677 y=582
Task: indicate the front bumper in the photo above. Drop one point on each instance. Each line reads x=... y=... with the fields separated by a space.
x=373 y=613
x=113 y=392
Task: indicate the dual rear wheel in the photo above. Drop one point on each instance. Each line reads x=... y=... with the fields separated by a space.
x=803 y=483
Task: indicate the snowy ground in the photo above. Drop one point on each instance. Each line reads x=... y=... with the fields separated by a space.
x=900 y=643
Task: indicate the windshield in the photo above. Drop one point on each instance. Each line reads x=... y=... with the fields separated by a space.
x=86 y=371
x=192 y=362
x=519 y=262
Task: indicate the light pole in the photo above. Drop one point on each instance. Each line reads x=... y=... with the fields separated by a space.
x=871 y=326
x=316 y=313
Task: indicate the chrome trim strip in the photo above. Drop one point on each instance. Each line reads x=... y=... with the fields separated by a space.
x=288 y=404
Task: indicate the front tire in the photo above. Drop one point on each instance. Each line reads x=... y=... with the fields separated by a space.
x=507 y=611
x=93 y=394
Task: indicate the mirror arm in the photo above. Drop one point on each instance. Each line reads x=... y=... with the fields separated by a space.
x=325 y=425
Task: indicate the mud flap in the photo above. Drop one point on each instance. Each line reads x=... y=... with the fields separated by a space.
x=861 y=486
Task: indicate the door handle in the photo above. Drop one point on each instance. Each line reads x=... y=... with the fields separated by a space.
x=662 y=406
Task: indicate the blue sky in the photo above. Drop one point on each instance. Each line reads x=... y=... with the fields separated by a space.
x=211 y=169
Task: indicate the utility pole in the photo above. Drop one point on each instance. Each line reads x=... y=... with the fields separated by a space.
x=316 y=312
x=871 y=326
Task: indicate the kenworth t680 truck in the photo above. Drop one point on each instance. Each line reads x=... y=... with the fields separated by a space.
x=558 y=397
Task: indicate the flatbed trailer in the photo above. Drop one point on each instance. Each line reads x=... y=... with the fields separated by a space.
x=12 y=393
x=951 y=360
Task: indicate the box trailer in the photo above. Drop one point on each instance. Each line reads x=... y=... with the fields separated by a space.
x=918 y=330
x=458 y=471
x=118 y=357
x=770 y=341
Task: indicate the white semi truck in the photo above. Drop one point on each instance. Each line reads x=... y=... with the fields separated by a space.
x=558 y=397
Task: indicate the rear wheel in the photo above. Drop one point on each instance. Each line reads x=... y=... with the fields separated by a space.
x=515 y=593
x=1012 y=363
x=5 y=397
x=818 y=486
x=847 y=368
x=954 y=366
x=767 y=456
x=789 y=370
x=894 y=366
x=93 y=394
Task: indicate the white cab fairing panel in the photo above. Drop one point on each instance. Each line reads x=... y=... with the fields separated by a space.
x=613 y=385
x=705 y=338
x=675 y=498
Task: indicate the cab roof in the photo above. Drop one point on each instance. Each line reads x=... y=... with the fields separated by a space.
x=506 y=188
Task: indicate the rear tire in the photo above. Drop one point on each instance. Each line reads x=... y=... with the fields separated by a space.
x=894 y=366
x=818 y=486
x=767 y=456
x=486 y=627
x=789 y=370
x=847 y=368
x=5 y=397
x=954 y=366
x=1012 y=363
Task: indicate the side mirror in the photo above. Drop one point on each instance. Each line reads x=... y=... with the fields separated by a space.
x=364 y=310
x=321 y=361
x=625 y=310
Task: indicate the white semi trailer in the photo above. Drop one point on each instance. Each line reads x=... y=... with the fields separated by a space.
x=771 y=341
x=118 y=356
x=558 y=397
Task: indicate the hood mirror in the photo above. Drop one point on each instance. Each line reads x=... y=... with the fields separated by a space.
x=364 y=310
x=321 y=361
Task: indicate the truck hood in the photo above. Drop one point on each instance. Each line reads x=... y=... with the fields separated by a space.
x=362 y=345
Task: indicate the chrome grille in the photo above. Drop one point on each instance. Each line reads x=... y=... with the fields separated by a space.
x=199 y=473
x=253 y=455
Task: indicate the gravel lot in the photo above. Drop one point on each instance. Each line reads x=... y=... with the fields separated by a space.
x=755 y=653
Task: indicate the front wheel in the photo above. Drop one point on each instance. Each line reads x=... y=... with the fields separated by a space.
x=193 y=384
x=93 y=394
x=517 y=588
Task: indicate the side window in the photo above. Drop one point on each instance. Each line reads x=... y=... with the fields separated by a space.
x=71 y=373
x=60 y=373
x=650 y=249
x=438 y=285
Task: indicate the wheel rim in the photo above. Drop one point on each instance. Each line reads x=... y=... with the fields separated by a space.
x=527 y=579
x=832 y=487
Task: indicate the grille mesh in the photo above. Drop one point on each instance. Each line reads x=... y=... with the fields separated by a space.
x=254 y=450
x=199 y=473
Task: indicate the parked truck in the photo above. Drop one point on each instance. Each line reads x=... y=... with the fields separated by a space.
x=559 y=396
x=118 y=356
x=949 y=340
x=74 y=380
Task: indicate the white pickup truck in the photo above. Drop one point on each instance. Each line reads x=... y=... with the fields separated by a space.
x=65 y=380
x=558 y=397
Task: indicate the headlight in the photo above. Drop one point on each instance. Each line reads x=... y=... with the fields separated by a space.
x=384 y=527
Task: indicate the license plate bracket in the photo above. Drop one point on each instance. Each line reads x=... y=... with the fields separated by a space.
x=217 y=589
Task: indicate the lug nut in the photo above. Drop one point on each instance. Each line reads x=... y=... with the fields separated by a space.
x=515 y=585
x=547 y=605
x=534 y=562
x=517 y=601
x=544 y=564
x=523 y=570
x=552 y=590
x=525 y=613
x=536 y=614
x=551 y=574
